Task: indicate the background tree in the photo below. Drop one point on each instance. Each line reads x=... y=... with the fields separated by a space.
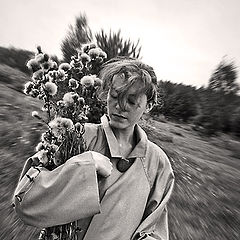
x=77 y=35
x=178 y=101
x=224 y=78
x=15 y=58
x=114 y=45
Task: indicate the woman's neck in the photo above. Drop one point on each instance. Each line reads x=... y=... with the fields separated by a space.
x=126 y=139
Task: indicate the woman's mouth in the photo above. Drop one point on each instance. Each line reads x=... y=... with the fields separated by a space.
x=118 y=116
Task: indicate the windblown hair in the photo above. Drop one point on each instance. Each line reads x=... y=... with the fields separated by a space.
x=134 y=72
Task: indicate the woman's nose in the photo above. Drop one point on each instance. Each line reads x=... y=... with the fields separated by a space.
x=117 y=106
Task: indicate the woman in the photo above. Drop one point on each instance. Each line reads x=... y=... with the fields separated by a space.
x=120 y=187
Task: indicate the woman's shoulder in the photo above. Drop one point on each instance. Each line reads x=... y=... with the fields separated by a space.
x=156 y=153
x=91 y=132
x=157 y=161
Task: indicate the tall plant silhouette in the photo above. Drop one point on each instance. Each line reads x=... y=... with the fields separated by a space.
x=77 y=35
x=114 y=45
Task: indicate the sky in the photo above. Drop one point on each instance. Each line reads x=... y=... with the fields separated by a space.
x=183 y=40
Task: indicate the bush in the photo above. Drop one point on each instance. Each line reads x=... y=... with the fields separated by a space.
x=209 y=123
x=15 y=58
x=235 y=122
x=180 y=104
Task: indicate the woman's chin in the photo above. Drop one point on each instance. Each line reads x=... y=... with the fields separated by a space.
x=117 y=124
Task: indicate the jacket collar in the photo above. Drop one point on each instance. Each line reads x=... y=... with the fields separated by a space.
x=138 y=151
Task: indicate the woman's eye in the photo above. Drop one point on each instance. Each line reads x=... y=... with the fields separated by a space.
x=130 y=101
x=113 y=95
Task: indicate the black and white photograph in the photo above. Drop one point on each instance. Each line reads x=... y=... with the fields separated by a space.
x=120 y=120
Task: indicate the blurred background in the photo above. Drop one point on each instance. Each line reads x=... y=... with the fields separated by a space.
x=194 y=49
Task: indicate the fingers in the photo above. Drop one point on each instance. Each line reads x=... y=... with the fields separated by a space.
x=103 y=164
x=105 y=170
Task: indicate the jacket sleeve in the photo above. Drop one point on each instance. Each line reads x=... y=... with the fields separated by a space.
x=154 y=225
x=46 y=198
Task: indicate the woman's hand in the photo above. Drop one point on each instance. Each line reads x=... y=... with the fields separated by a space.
x=102 y=163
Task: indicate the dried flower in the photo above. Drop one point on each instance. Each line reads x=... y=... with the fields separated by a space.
x=64 y=139
x=54 y=65
x=85 y=48
x=99 y=59
x=82 y=117
x=40 y=58
x=73 y=84
x=46 y=57
x=61 y=76
x=102 y=54
x=87 y=81
x=97 y=82
x=33 y=65
x=52 y=75
x=85 y=58
x=51 y=88
x=34 y=93
x=46 y=137
x=60 y=104
x=59 y=126
x=76 y=64
x=28 y=87
x=38 y=75
x=46 y=65
x=54 y=148
x=94 y=52
x=64 y=66
x=75 y=97
x=81 y=101
x=92 y=45
x=39 y=49
x=68 y=98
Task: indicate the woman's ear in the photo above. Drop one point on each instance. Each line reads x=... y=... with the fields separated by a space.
x=149 y=107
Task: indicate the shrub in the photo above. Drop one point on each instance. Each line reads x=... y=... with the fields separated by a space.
x=235 y=122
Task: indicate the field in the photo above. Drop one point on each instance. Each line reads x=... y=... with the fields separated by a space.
x=205 y=202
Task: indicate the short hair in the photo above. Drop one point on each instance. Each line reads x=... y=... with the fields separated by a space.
x=134 y=71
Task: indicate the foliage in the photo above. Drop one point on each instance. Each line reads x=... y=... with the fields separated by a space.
x=215 y=111
x=176 y=101
x=12 y=77
x=224 y=78
x=114 y=45
x=211 y=111
x=77 y=35
x=15 y=58
x=235 y=121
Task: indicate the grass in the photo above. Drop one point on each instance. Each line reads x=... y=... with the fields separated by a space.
x=205 y=202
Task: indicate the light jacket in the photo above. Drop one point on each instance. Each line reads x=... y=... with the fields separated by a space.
x=130 y=205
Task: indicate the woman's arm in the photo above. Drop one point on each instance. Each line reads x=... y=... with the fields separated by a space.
x=46 y=198
x=155 y=220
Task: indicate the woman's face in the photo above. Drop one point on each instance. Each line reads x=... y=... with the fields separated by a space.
x=136 y=105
